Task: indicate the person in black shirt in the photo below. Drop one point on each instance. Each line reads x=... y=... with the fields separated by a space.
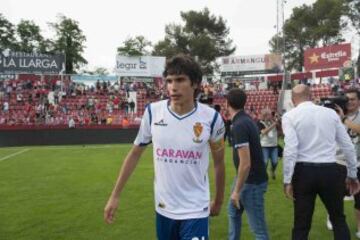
x=250 y=183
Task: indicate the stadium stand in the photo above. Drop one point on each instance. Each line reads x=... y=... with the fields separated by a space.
x=49 y=101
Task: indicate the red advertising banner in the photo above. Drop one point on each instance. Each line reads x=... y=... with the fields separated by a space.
x=334 y=56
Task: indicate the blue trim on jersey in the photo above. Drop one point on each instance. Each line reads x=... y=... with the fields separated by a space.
x=149 y=110
x=213 y=123
x=182 y=117
x=144 y=144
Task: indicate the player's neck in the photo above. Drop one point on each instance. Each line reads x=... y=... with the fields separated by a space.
x=182 y=108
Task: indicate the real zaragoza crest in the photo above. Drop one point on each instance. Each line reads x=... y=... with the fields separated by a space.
x=198 y=128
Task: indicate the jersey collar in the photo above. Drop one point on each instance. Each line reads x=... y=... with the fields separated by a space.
x=181 y=117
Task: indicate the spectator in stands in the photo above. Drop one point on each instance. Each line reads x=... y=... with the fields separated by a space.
x=98 y=86
x=104 y=87
x=125 y=106
x=269 y=139
x=116 y=102
x=127 y=89
x=125 y=122
x=109 y=107
x=94 y=118
x=103 y=118
x=6 y=106
x=2 y=119
x=109 y=120
x=8 y=90
x=19 y=97
x=71 y=122
x=132 y=106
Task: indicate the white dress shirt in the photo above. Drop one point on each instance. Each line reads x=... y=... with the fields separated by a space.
x=311 y=133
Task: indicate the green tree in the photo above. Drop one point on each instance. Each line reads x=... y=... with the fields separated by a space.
x=101 y=71
x=95 y=71
x=137 y=46
x=7 y=34
x=352 y=8
x=30 y=38
x=310 y=26
x=203 y=36
x=69 y=40
x=328 y=21
x=175 y=41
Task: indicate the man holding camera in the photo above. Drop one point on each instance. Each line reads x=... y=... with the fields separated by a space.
x=351 y=120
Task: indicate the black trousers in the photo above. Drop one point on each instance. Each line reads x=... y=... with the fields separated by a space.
x=327 y=181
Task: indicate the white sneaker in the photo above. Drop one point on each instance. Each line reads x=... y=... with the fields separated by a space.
x=357 y=234
x=329 y=224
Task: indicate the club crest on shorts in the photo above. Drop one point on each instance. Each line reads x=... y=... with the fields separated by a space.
x=198 y=128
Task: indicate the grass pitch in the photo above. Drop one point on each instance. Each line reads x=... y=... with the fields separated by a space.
x=59 y=193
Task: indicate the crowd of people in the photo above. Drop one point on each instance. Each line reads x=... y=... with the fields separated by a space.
x=55 y=101
x=58 y=101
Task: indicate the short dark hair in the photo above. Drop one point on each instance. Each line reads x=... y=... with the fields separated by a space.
x=236 y=98
x=354 y=90
x=184 y=64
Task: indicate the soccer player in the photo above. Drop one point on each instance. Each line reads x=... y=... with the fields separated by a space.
x=181 y=131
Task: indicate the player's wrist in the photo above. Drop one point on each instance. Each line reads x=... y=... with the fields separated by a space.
x=115 y=195
x=218 y=201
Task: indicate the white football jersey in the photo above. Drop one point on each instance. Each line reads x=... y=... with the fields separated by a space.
x=181 y=157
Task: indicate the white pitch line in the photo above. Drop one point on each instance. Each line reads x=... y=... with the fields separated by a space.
x=77 y=147
x=14 y=154
x=71 y=147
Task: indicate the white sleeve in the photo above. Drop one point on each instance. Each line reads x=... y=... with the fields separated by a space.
x=144 y=136
x=217 y=130
x=290 y=149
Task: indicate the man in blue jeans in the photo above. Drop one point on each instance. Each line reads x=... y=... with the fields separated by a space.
x=250 y=184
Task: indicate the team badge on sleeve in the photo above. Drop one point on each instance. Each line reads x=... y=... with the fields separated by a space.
x=198 y=128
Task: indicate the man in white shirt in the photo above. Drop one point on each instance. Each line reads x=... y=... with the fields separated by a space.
x=310 y=169
x=181 y=131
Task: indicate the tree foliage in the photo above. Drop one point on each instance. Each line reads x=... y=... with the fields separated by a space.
x=203 y=36
x=136 y=46
x=70 y=40
x=353 y=13
x=309 y=26
x=7 y=33
x=30 y=38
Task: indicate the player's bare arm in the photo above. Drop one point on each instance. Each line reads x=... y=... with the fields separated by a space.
x=127 y=169
x=218 y=152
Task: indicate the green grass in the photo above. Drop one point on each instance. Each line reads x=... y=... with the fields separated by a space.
x=59 y=193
